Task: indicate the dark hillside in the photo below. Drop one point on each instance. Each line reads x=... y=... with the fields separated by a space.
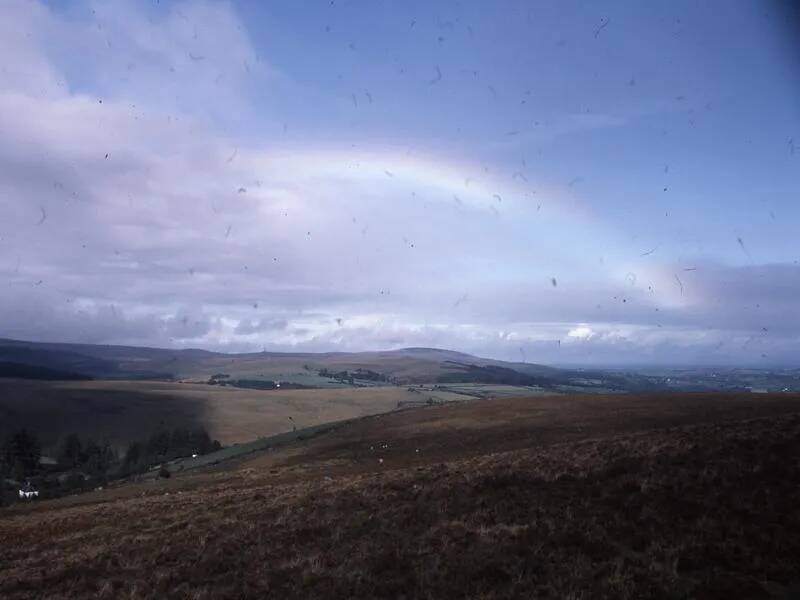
x=615 y=497
x=23 y=371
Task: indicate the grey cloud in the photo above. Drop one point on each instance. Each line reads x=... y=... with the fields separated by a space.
x=248 y=326
x=146 y=230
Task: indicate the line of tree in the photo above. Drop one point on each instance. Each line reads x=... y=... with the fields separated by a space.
x=165 y=445
x=89 y=456
x=350 y=376
x=83 y=464
x=218 y=379
x=21 y=452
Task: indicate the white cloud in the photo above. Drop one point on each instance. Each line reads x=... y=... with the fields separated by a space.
x=165 y=224
x=582 y=332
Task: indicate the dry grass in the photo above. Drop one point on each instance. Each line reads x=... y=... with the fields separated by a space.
x=131 y=410
x=653 y=497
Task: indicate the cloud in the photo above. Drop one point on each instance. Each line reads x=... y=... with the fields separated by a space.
x=248 y=326
x=582 y=332
x=167 y=224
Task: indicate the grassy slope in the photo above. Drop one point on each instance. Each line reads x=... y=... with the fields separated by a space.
x=685 y=496
x=131 y=410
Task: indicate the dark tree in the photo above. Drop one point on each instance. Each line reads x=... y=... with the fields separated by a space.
x=71 y=451
x=135 y=460
x=20 y=453
x=98 y=457
x=158 y=445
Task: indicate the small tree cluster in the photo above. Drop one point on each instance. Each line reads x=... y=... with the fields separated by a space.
x=166 y=445
x=20 y=454
x=350 y=376
x=91 y=456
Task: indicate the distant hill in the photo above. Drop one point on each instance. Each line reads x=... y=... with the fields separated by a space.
x=90 y=361
x=23 y=371
x=239 y=397
x=403 y=366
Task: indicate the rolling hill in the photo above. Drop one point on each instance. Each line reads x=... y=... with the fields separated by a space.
x=404 y=366
x=623 y=497
x=125 y=393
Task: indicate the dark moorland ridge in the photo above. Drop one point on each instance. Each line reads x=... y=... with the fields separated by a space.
x=261 y=370
x=26 y=371
x=610 y=497
x=128 y=362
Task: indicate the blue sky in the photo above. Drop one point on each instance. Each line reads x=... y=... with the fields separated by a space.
x=368 y=175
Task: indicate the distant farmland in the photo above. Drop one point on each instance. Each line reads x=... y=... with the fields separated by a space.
x=122 y=411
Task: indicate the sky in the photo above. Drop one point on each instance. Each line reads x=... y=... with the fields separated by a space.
x=565 y=183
